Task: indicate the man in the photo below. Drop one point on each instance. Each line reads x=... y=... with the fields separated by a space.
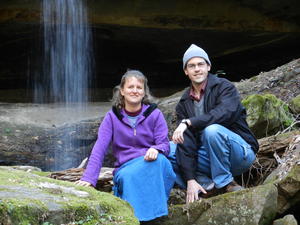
x=214 y=142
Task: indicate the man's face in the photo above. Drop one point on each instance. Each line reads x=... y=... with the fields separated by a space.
x=197 y=70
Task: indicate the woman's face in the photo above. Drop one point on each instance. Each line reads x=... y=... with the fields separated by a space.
x=133 y=91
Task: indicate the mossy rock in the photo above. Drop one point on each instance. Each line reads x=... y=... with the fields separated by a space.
x=27 y=198
x=289 y=190
x=294 y=105
x=287 y=220
x=266 y=114
x=255 y=206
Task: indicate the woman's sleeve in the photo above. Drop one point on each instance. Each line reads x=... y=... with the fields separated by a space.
x=161 y=135
x=105 y=131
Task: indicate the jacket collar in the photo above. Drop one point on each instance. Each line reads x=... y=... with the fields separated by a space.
x=146 y=111
x=212 y=80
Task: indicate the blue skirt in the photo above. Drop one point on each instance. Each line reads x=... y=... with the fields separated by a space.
x=146 y=186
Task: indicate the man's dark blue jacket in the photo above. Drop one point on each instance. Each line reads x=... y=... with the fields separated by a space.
x=222 y=106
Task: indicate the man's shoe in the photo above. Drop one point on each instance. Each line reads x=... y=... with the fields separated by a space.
x=233 y=186
x=211 y=193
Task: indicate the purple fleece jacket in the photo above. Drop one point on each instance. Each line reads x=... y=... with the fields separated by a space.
x=127 y=142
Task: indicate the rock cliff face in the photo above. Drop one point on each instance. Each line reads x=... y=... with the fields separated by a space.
x=241 y=37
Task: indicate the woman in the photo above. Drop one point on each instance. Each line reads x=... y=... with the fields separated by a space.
x=138 y=133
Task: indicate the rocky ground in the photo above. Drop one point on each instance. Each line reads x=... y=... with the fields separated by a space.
x=283 y=82
x=51 y=115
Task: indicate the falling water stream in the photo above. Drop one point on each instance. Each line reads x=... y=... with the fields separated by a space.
x=66 y=69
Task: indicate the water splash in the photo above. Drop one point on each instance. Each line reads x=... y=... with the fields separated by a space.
x=66 y=69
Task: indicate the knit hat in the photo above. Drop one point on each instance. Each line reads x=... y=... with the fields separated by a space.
x=194 y=51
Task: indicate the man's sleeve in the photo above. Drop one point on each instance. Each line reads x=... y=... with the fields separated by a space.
x=186 y=156
x=186 y=153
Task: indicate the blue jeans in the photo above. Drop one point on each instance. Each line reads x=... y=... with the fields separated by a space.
x=223 y=155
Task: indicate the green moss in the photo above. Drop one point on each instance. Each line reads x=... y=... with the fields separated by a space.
x=108 y=212
x=27 y=211
x=22 y=211
x=294 y=173
x=267 y=114
x=294 y=105
x=96 y=208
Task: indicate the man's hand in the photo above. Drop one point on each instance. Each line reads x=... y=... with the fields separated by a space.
x=193 y=189
x=178 y=133
x=83 y=183
x=151 y=154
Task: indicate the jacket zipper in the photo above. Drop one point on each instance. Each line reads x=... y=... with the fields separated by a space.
x=134 y=131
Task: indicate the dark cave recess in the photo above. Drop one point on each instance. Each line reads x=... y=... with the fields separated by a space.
x=156 y=52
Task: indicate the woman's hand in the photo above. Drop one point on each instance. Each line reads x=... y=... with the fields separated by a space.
x=178 y=133
x=83 y=183
x=151 y=154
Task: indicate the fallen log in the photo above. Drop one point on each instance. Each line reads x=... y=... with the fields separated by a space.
x=271 y=150
x=105 y=180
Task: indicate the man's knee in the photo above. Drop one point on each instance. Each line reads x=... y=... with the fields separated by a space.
x=214 y=134
x=212 y=130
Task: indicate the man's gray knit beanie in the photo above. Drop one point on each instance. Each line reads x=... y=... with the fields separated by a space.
x=194 y=51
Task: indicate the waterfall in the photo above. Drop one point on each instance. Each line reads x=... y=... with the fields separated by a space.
x=67 y=52
x=66 y=68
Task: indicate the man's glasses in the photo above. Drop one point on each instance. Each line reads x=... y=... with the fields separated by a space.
x=193 y=66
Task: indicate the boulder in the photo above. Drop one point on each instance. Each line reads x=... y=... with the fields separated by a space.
x=27 y=198
x=294 y=105
x=287 y=220
x=251 y=206
x=266 y=114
